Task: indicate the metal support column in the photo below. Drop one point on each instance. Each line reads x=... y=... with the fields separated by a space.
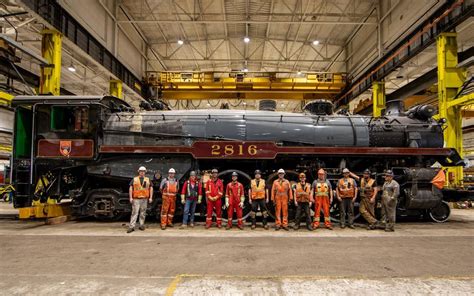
x=378 y=98
x=51 y=52
x=116 y=88
x=450 y=79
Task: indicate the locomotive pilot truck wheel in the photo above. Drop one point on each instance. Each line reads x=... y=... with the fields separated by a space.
x=440 y=213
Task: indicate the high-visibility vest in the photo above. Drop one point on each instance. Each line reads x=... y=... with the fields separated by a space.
x=321 y=189
x=366 y=187
x=192 y=191
x=141 y=190
x=346 y=189
x=302 y=194
x=170 y=189
x=258 y=192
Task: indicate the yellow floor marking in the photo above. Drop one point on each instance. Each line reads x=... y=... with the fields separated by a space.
x=173 y=285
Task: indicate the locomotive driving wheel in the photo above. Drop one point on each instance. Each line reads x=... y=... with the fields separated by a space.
x=440 y=213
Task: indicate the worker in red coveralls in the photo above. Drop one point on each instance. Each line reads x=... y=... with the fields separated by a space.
x=214 y=192
x=234 y=200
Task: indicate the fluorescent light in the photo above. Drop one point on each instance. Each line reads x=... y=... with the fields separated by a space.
x=71 y=68
x=245 y=70
x=246 y=39
x=315 y=42
x=299 y=73
x=180 y=42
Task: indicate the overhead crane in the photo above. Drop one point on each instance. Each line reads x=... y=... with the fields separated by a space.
x=247 y=85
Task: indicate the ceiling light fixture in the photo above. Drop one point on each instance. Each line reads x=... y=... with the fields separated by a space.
x=315 y=42
x=299 y=73
x=71 y=67
x=246 y=39
x=245 y=70
x=180 y=42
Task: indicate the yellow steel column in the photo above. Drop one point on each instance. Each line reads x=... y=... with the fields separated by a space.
x=450 y=79
x=378 y=98
x=51 y=74
x=115 y=88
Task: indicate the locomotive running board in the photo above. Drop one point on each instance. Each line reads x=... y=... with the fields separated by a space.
x=269 y=150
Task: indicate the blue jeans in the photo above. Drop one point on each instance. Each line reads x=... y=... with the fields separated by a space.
x=189 y=208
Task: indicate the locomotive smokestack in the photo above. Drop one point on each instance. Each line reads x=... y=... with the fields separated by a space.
x=394 y=108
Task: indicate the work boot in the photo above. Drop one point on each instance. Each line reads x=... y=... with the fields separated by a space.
x=315 y=226
x=286 y=228
x=343 y=226
x=142 y=227
x=170 y=225
x=253 y=227
x=163 y=227
x=130 y=230
x=351 y=226
x=208 y=226
x=265 y=226
x=296 y=227
x=389 y=230
x=371 y=227
x=329 y=227
x=309 y=227
x=183 y=226
x=277 y=227
x=240 y=227
x=219 y=226
x=192 y=225
x=228 y=227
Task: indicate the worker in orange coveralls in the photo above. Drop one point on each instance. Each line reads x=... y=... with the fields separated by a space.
x=214 y=191
x=281 y=195
x=169 y=188
x=323 y=195
x=234 y=200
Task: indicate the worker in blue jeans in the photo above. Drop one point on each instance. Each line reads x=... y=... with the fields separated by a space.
x=191 y=194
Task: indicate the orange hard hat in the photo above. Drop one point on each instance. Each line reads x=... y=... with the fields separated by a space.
x=302 y=175
x=321 y=171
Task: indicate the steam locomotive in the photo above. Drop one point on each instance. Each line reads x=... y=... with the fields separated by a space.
x=87 y=149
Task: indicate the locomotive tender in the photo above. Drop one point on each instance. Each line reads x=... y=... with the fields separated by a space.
x=88 y=148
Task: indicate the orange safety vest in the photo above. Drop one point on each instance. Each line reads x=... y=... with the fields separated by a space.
x=366 y=188
x=302 y=194
x=258 y=192
x=346 y=190
x=170 y=189
x=322 y=189
x=138 y=190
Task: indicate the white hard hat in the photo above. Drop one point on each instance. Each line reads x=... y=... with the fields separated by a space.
x=344 y=171
x=172 y=171
x=142 y=168
x=281 y=171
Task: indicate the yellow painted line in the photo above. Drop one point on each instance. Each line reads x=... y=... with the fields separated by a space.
x=173 y=285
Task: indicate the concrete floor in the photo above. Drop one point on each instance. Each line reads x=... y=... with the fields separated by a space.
x=100 y=258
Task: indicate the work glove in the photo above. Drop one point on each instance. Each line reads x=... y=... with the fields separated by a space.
x=182 y=199
x=226 y=202
x=199 y=199
x=296 y=203
x=241 y=204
